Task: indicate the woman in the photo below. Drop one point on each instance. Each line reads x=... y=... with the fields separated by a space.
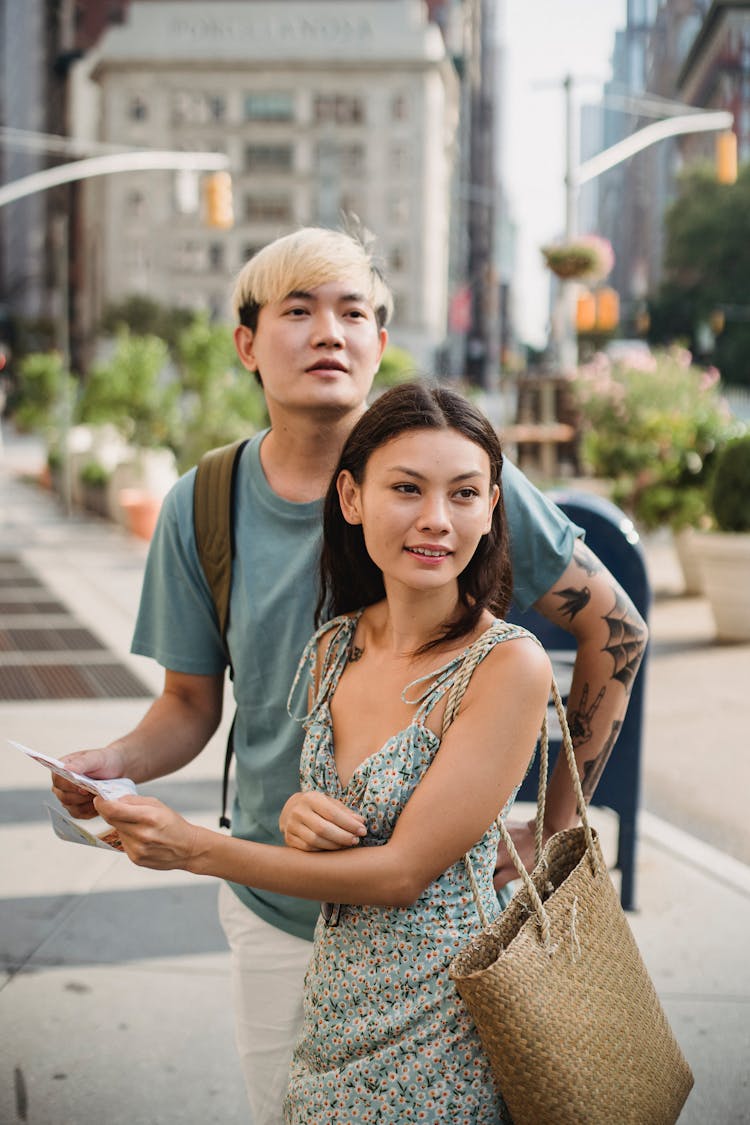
x=414 y=568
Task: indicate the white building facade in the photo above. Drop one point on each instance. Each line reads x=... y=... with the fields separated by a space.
x=321 y=108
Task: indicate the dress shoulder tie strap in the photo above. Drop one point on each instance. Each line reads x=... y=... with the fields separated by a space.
x=454 y=676
x=335 y=657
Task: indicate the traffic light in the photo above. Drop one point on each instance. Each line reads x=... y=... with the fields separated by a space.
x=607 y=309
x=217 y=195
x=726 y=157
x=598 y=311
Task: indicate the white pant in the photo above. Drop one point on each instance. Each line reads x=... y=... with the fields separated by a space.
x=268 y=971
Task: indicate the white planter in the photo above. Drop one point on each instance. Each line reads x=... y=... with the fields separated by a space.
x=150 y=470
x=724 y=560
x=684 y=545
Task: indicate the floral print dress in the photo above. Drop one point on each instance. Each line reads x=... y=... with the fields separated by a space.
x=385 y=1036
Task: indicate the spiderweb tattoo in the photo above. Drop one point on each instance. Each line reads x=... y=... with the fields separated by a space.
x=626 y=642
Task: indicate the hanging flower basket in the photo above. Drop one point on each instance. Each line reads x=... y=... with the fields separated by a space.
x=589 y=258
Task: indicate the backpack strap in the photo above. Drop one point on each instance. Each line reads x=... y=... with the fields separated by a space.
x=213 y=506
x=213 y=522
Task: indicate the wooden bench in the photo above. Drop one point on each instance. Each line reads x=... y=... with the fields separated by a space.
x=546 y=436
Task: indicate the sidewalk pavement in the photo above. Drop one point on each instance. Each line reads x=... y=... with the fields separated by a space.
x=114 y=995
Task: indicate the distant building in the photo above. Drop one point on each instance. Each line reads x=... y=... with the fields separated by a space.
x=39 y=40
x=715 y=72
x=321 y=108
x=672 y=53
x=29 y=101
x=622 y=191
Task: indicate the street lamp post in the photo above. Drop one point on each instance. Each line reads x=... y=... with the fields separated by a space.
x=694 y=121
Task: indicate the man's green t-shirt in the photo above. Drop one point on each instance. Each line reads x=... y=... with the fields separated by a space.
x=273 y=596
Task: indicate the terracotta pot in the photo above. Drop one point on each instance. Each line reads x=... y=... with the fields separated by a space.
x=142 y=511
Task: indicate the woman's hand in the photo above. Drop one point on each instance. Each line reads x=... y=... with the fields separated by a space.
x=152 y=834
x=314 y=822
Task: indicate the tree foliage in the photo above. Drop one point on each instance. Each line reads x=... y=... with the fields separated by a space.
x=707 y=268
x=144 y=316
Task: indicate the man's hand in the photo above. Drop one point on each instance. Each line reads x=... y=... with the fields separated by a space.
x=314 y=822
x=100 y=764
x=152 y=834
x=522 y=834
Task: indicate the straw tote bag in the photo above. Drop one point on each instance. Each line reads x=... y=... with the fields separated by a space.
x=562 y=1001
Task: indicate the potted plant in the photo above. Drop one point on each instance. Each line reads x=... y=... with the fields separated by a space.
x=43 y=403
x=587 y=258
x=134 y=392
x=724 y=550
x=94 y=478
x=652 y=424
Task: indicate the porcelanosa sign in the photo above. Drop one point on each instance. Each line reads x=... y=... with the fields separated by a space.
x=284 y=30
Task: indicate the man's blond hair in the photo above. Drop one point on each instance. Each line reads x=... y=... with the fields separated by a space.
x=301 y=261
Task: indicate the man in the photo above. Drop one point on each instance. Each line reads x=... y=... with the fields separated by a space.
x=312 y=310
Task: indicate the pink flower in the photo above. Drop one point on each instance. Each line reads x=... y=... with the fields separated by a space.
x=709 y=378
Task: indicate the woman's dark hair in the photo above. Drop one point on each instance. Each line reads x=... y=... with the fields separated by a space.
x=349 y=579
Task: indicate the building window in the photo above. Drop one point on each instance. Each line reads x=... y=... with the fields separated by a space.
x=399 y=159
x=217 y=107
x=396 y=260
x=135 y=204
x=338 y=109
x=137 y=109
x=192 y=107
x=216 y=256
x=268 y=158
x=399 y=108
x=344 y=159
x=249 y=252
x=189 y=257
x=269 y=106
x=398 y=208
x=267 y=209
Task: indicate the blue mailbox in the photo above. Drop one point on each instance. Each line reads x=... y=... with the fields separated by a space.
x=611 y=535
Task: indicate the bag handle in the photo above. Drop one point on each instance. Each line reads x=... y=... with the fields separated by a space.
x=453 y=703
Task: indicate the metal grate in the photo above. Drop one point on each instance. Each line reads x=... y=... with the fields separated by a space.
x=64 y=681
x=32 y=653
x=73 y=639
x=39 y=608
x=20 y=582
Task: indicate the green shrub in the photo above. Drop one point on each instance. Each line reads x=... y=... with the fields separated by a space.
x=39 y=398
x=133 y=392
x=730 y=486
x=396 y=366
x=220 y=401
x=94 y=475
